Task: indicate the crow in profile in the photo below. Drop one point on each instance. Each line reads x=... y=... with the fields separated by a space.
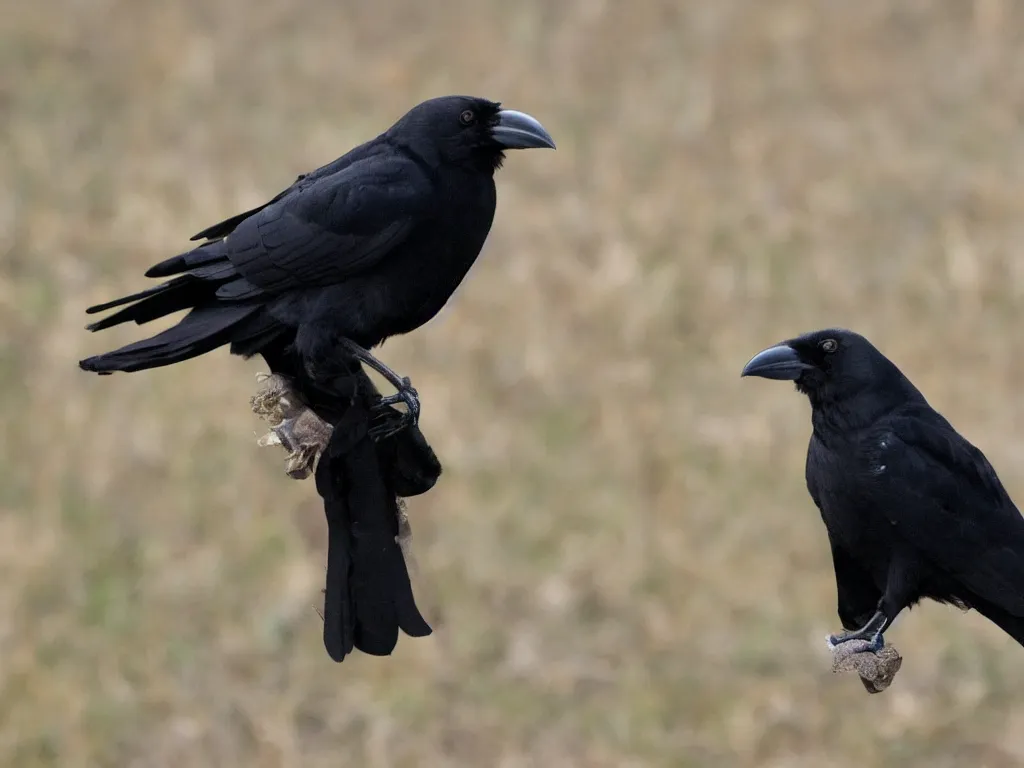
x=368 y=246
x=913 y=510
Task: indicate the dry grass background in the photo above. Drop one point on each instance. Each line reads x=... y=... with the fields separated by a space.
x=621 y=562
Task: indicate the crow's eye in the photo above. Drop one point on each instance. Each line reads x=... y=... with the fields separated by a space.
x=829 y=345
x=468 y=117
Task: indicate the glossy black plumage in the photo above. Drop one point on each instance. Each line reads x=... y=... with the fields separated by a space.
x=368 y=596
x=369 y=246
x=913 y=510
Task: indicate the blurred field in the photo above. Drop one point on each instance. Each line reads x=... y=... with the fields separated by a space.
x=621 y=561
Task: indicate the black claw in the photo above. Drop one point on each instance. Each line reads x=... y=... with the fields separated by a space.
x=876 y=640
x=871 y=632
x=389 y=422
x=407 y=395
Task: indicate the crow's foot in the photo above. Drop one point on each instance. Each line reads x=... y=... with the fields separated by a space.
x=871 y=642
x=870 y=633
x=388 y=421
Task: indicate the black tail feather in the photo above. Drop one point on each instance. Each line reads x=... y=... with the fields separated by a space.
x=154 y=291
x=368 y=596
x=200 y=331
x=181 y=293
x=210 y=324
x=206 y=270
x=207 y=253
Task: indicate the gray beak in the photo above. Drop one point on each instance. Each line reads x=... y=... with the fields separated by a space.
x=517 y=130
x=781 y=362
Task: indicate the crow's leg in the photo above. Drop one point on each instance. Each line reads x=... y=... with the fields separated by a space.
x=388 y=421
x=872 y=633
x=328 y=360
x=902 y=588
x=292 y=424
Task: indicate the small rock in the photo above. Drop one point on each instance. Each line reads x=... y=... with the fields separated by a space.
x=876 y=668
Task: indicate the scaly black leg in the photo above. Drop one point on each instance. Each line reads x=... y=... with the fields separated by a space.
x=387 y=423
x=872 y=632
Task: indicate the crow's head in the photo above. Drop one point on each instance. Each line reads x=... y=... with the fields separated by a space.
x=465 y=130
x=830 y=366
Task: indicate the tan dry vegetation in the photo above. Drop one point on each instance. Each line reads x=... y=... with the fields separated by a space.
x=621 y=561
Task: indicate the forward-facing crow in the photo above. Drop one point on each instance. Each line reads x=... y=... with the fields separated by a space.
x=369 y=246
x=912 y=509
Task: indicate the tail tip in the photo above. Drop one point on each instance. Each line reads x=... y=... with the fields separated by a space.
x=92 y=364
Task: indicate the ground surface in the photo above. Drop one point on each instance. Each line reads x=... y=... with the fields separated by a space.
x=621 y=561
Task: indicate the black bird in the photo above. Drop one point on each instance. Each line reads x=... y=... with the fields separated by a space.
x=368 y=246
x=913 y=510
